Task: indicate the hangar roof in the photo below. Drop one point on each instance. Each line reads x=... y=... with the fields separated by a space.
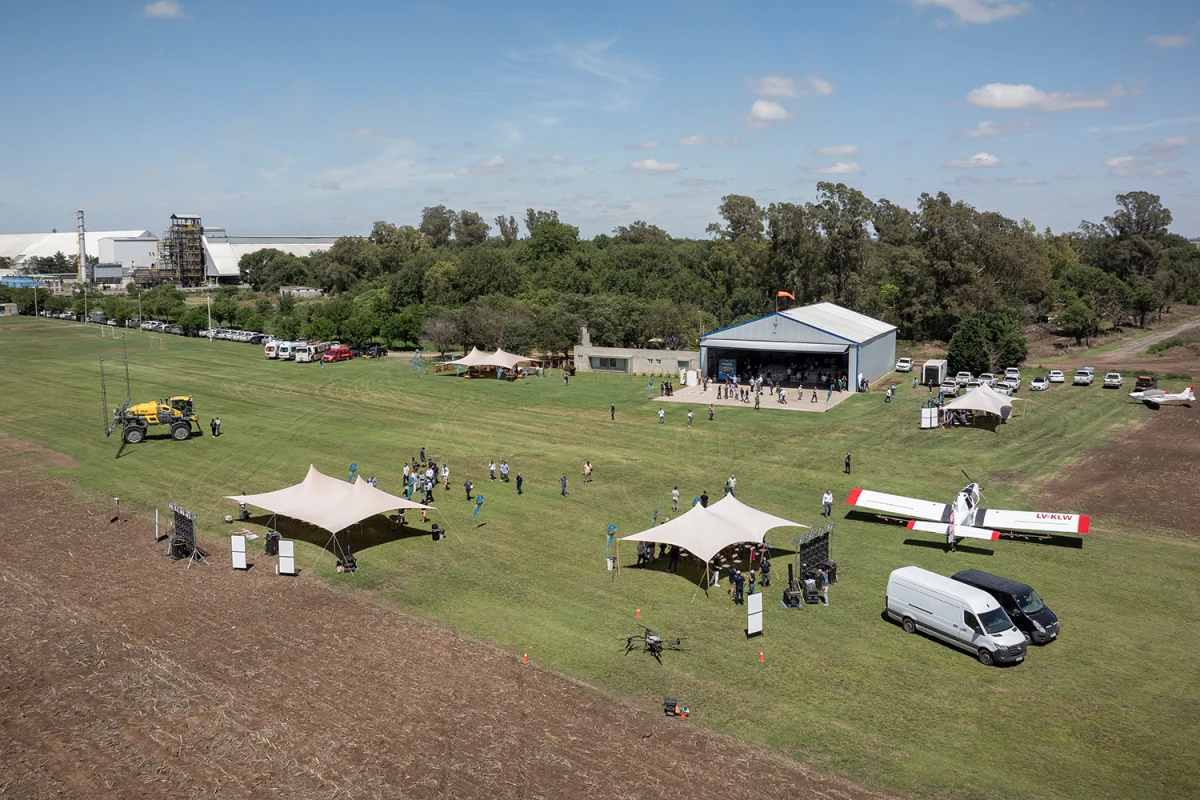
x=19 y=246
x=819 y=324
x=840 y=321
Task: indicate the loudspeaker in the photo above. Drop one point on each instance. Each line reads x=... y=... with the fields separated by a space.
x=438 y=533
x=792 y=598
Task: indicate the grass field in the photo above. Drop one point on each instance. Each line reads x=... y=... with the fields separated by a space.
x=1110 y=710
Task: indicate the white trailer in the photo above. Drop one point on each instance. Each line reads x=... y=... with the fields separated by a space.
x=934 y=371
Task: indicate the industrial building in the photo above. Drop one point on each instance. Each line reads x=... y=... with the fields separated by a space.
x=125 y=247
x=824 y=337
x=223 y=251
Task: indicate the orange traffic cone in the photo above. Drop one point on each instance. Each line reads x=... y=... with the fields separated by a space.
x=761 y=658
x=525 y=658
x=638 y=615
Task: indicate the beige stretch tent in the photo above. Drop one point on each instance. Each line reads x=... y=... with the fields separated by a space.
x=497 y=360
x=982 y=399
x=704 y=532
x=326 y=502
x=472 y=359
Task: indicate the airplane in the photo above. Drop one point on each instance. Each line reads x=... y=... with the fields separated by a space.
x=965 y=519
x=1157 y=397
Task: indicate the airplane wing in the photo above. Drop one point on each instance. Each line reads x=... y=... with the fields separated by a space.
x=900 y=506
x=1050 y=522
x=960 y=531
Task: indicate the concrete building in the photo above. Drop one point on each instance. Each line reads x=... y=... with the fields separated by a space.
x=20 y=247
x=131 y=252
x=629 y=360
x=823 y=338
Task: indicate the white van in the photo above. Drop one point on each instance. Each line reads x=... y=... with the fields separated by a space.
x=286 y=350
x=960 y=615
x=271 y=349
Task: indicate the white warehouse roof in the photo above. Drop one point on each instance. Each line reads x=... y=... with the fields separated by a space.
x=223 y=251
x=841 y=322
x=20 y=246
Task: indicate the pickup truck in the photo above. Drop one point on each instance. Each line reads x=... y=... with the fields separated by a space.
x=949 y=388
x=1083 y=378
x=1113 y=380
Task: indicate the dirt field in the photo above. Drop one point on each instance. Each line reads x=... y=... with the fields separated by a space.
x=1149 y=476
x=124 y=675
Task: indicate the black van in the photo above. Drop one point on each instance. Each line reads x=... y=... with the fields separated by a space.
x=1019 y=600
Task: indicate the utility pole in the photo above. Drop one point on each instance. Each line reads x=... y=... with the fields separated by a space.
x=210 y=331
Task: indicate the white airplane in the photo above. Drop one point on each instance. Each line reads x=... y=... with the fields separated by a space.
x=964 y=518
x=1157 y=397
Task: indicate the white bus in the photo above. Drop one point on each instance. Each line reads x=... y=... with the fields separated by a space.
x=271 y=348
x=312 y=351
x=287 y=350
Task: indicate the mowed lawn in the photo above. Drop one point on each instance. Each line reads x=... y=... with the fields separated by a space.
x=1110 y=710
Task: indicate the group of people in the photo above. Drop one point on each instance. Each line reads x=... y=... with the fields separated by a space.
x=666 y=389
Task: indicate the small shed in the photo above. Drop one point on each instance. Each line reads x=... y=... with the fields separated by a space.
x=8 y=309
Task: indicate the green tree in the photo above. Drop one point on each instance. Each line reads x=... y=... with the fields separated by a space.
x=1078 y=319
x=285 y=327
x=437 y=224
x=533 y=218
x=194 y=319
x=1144 y=297
x=552 y=239
x=438 y=285
x=441 y=328
x=640 y=232
x=362 y=326
x=320 y=329
x=404 y=326
x=469 y=229
x=509 y=230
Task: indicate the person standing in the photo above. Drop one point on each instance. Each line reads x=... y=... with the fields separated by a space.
x=673 y=564
x=587 y=472
x=492 y=469
x=405 y=473
x=733 y=486
x=690 y=415
x=675 y=499
x=422 y=454
x=825 y=586
x=739 y=587
x=827 y=501
x=212 y=426
x=704 y=499
x=751 y=580
x=662 y=417
x=566 y=382
x=446 y=476
x=710 y=412
x=756 y=396
x=612 y=411
x=468 y=486
x=519 y=482
x=765 y=566
x=371 y=480
x=504 y=469
x=847 y=462
x=563 y=481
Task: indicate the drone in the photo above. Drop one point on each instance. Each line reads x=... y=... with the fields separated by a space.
x=652 y=643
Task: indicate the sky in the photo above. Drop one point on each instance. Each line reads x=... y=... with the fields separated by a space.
x=320 y=118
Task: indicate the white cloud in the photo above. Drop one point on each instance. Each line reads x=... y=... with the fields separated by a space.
x=1120 y=161
x=840 y=168
x=488 y=166
x=650 y=145
x=696 y=140
x=1018 y=96
x=367 y=132
x=977 y=11
x=652 y=167
x=979 y=160
x=392 y=169
x=1170 y=40
x=765 y=113
x=588 y=75
x=163 y=9
x=986 y=128
x=783 y=86
x=1141 y=126
x=1070 y=176
x=838 y=150
x=1136 y=163
x=1168 y=149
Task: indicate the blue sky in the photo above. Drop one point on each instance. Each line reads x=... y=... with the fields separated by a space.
x=318 y=117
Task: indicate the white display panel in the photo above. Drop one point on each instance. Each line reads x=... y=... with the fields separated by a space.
x=238 y=544
x=754 y=614
x=287 y=557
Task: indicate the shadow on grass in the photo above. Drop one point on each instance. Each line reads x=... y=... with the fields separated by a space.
x=956 y=650
x=373 y=532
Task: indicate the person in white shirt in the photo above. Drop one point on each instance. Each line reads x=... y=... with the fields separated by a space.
x=827 y=501
x=446 y=476
x=733 y=486
x=675 y=499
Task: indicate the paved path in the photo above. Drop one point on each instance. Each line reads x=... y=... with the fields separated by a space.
x=696 y=395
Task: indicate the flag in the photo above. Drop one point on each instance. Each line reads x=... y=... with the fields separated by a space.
x=788 y=295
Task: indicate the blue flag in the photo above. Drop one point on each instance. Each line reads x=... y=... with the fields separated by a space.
x=612 y=532
x=478 y=505
x=499 y=373
x=654 y=521
x=650 y=386
x=353 y=472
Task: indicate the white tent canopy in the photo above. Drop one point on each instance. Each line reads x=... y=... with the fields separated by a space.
x=982 y=399
x=508 y=361
x=704 y=532
x=327 y=502
x=472 y=359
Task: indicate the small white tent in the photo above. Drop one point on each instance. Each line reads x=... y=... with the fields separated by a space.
x=474 y=358
x=704 y=532
x=982 y=399
x=327 y=502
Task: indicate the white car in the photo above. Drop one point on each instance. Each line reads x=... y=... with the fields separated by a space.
x=1039 y=384
x=949 y=388
x=988 y=378
x=963 y=378
x=1112 y=380
x=1004 y=388
x=1012 y=373
x=904 y=365
x=1056 y=376
x=1083 y=378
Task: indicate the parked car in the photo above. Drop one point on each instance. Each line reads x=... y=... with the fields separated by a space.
x=988 y=378
x=1022 y=604
x=949 y=388
x=954 y=612
x=1145 y=382
x=1056 y=376
x=1039 y=384
x=973 y=385
x=375 y=351
x=1083 y=378
x=963 y=378
x=904 y=365
x=340 y=353
x=1012 y=374
x=1003 y=387
x=1112 y=380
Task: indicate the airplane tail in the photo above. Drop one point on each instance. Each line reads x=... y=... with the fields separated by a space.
x=1189 y=394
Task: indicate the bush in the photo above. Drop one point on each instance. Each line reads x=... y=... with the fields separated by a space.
x=1162 y=347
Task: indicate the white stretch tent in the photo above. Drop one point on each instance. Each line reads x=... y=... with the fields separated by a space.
x=472 y=359
x=496 y=360
x=983 y=399
x=704 y=532
x=327 y=502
